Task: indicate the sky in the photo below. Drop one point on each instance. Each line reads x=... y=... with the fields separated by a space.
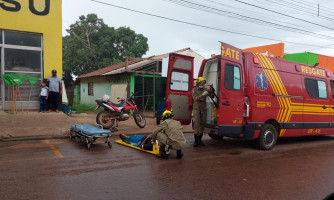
x=171 y=25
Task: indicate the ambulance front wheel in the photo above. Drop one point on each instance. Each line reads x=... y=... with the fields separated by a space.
x=268 y=137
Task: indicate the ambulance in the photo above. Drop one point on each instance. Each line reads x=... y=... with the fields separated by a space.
x=256 y=97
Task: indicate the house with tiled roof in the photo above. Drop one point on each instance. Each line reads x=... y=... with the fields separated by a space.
x=143 y=77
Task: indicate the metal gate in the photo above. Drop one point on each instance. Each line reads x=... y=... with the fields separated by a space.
x=149 y=91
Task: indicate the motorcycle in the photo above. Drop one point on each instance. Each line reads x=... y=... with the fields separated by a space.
x=118 y=112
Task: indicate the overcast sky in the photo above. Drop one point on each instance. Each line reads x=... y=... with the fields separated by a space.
x=294 y=22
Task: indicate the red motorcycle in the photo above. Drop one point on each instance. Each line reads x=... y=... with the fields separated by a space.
x=118 y=112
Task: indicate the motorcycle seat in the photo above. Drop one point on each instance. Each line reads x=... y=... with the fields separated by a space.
x=118 y=105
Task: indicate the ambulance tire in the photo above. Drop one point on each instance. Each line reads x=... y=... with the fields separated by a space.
x=215 y=137
x=268 y=137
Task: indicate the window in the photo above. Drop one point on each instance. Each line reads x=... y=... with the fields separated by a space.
x=332 y=88
x=179 y=81
x=90 y=89
x=22 y=39
x=182 y=64
x=232 y=77
x=22 y=60
x=316 y=88
x=22 y=53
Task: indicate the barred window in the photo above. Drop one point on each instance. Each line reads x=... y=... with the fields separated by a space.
x=90 y=89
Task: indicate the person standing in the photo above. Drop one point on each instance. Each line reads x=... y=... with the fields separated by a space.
x=55 y=91
x=43 y=96
x=169 y=135
x=199 y=94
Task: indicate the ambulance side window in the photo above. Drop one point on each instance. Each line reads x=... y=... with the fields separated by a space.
x=232 y=77
x=332 y=88
x=316 y=88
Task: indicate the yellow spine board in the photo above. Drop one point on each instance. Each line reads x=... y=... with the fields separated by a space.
x=155 y=147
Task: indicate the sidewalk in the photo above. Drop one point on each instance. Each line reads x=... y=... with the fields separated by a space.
x=34 y=125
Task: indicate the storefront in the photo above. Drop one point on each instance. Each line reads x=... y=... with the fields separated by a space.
x=31 y=45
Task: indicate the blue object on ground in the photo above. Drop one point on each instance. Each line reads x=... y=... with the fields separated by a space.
x=135 y=139
x=161 y=108
x=89 y=129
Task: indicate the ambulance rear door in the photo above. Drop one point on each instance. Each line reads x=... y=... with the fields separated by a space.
x=179 y=87
x=231 y=101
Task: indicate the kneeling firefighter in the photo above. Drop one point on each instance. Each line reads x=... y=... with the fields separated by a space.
x=169 y=135
x=199 y=94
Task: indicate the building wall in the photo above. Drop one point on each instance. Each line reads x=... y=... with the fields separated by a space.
x=19 y=21
x=272 y=50
x=100 y=87
x=305 y=58
x=326 y=62
x=44 y=17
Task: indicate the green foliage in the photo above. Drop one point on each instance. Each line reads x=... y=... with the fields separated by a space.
x=92 y=45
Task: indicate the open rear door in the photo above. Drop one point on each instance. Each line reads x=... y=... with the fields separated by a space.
x=232 y=106
x=179 y=87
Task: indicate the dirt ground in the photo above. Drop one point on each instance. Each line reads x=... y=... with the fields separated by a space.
x=34 y=124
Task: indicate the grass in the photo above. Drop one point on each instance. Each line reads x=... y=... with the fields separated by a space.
x=82 y=108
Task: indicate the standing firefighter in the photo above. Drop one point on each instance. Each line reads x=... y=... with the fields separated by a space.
x=169 y=135
x=199 y=110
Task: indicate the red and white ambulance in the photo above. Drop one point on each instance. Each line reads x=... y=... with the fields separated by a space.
x=258 y=97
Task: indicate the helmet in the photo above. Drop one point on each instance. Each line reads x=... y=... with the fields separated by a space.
x=200 y=80
x=167 y=114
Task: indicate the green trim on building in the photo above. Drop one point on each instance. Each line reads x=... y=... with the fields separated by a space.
x=132 y=84
x=305 y=58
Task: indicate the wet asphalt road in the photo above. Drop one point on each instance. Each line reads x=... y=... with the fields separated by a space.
x=297 y=168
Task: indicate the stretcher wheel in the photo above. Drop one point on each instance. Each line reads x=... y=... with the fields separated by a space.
x=71 y=136
x=77 y=139
x=89 y=146
x=109 y=144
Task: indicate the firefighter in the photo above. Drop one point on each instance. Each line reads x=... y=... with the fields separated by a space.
x=199 y=94
x=169 y=135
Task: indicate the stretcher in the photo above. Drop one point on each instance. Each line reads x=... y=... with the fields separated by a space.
x=85 y=133
x=156 y=148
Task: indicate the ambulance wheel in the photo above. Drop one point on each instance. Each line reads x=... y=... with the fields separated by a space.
x=215 y=137
x=268 y=137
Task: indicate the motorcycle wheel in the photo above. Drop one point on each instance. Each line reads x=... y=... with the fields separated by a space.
x=106 y=123
x=139 y=119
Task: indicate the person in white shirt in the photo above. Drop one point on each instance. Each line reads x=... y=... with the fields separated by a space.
x=43 y=96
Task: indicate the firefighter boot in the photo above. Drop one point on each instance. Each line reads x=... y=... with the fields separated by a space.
x=163 y=153
x=196 y=143
x=179 y=154
x=200 y=140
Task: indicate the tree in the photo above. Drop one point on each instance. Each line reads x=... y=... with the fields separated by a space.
x=91 y=45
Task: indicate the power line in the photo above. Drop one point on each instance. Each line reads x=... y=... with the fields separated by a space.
x=326 y=9
x=201 y=7
x=202 y=26
x=261 y=15
x=273 y=11
x=301 y=7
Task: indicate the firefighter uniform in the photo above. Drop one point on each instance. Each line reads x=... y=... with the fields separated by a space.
x=199 y=111
x=170 y=136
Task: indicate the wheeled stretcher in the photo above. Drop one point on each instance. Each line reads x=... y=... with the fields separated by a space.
x=89 y=134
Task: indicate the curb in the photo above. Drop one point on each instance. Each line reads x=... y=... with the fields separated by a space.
x=46 y=137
